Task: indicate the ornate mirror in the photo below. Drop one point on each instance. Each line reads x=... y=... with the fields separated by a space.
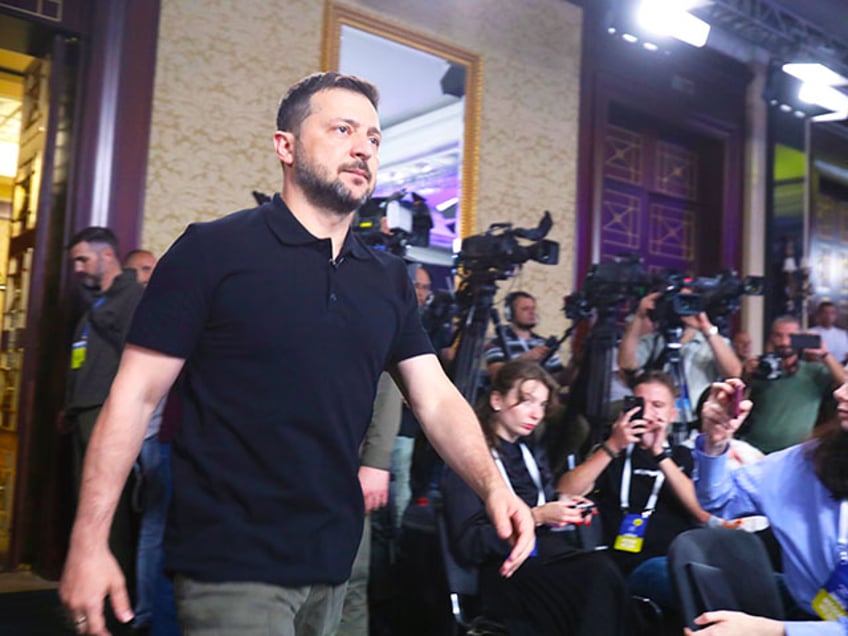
x=429 y=111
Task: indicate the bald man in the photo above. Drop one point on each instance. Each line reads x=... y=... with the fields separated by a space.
x=143 y=262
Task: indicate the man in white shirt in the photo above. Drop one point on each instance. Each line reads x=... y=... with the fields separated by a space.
x=834 y=338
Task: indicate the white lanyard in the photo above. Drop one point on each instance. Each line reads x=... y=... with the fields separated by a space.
x=532 y=468
x=842 y=540
x=626 y=475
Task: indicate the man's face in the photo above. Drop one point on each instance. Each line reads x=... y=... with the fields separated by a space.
x=827 y=317
x=780 y=338
x=88 y=264
x=143 y=264
x=422 y=286
x=660 y=410
x=524 y=312
x=742 y=345
x=335 y=151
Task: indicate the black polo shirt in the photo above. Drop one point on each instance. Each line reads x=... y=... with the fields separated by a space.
x=283 y=350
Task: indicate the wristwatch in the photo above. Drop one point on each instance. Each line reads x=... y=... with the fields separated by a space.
x=713 y=330
x=665 y=453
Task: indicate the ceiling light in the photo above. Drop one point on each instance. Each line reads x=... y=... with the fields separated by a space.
x=824 y=96
x=669 y=17
x=650 y=46
x=815 y=73
x=628 y=37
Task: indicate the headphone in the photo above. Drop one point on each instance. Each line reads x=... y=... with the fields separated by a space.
x=509 y=303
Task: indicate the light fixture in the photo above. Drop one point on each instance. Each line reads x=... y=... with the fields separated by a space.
x=815 y=73
x=824 y=96
x=671 y=18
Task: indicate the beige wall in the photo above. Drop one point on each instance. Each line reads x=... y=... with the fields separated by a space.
x=223 y=64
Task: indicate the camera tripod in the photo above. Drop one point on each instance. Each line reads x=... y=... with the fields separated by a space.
x=673 y=358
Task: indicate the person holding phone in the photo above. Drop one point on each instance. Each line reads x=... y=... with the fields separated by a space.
x=834 y=337
x=803 y=491
x=642 y=487
x=561 y=589
x=786 y=403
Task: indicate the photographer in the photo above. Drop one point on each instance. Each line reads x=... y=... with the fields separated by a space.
x=521 y=342
x=786 y=390
x=705 y=354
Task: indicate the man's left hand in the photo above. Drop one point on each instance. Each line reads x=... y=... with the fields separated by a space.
x=375 y=487
x=514 y=522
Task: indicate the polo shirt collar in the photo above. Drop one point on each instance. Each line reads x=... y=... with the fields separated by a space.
x=290 y=231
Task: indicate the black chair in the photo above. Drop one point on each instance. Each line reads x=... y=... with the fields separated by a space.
x=718 y=568
x=462 y=580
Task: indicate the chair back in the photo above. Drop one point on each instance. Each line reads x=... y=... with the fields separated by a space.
x=715 y=568
x=462 y=580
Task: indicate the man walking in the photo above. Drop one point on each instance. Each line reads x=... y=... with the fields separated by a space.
x=282 y=321
x=96 y=350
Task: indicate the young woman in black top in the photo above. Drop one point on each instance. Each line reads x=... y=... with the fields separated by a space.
x=561 y=589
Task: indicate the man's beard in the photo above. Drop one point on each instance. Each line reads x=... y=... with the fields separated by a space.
x=324 y=192
x=784 y=352
x=526 y=326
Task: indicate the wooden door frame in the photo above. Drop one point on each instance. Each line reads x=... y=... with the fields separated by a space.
x=613 y=71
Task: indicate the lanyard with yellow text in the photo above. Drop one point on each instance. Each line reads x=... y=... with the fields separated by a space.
x=831 y=602
x=631 y=534
x=78 y=348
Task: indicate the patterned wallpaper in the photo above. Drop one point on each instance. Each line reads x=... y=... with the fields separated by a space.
x=223 y=64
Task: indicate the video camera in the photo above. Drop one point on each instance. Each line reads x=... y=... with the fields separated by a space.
x=609 y=284
x=624 y=278
x=718 y=297
x=408 y=222
x=497 y=252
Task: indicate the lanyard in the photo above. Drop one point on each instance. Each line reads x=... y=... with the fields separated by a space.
x=87 y=327
x=626 y=476
x=842 y=540
x=532 y=468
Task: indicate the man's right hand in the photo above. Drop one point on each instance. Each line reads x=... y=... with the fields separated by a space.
x=717 y=421
x=88 y=578
x=536 y=353
x=625 y=431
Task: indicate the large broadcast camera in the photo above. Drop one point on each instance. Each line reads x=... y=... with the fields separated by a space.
x=609 y=284
x=612 y=283
x=482 y=260
x=718 y=297
x=497 y=252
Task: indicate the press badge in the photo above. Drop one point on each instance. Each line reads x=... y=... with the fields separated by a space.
x=832 y=600
x=631 y=535
x=77 y=354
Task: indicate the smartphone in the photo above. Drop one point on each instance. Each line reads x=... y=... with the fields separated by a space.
x=585 y=508
x=801 y=341
x=631 y=402
x=738 y=393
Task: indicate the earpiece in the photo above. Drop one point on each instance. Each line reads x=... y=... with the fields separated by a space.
x=508 y=303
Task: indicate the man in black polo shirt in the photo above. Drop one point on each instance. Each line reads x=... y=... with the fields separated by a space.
x=281 y=320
